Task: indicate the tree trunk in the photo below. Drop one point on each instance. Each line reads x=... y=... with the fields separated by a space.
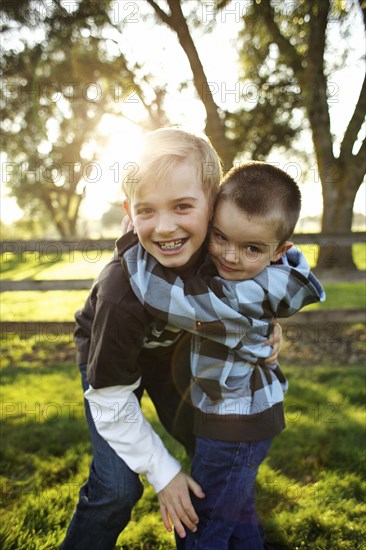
x=215 y=125
x=338 y=188
x=338 y=198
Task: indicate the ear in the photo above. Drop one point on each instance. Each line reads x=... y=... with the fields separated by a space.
x=281 y=250
x=126 y=206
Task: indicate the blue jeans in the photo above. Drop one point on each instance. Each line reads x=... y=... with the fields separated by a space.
x=112 y=489
x=107 y=498
x=227 y=472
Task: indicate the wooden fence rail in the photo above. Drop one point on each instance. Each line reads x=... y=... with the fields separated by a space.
x=55 y=248
x=48 y=247
x=64 y=284
x=321 y=324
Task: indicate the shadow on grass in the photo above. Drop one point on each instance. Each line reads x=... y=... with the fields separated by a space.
x=33 y=367
x=43 y=424
x=324 y=423
x=308 y=490
x=31 y=267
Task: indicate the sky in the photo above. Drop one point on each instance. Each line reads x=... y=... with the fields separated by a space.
x=218 y=52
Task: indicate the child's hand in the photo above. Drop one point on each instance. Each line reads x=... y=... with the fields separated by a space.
x=126 y=225
x=175 y=503
x=276 y=341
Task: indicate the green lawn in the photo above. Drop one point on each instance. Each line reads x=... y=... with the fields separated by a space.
x=48 y=305
x=87 y=264
x=61 y=305
x=35 y=266
x=311 y=488
x=311 y=253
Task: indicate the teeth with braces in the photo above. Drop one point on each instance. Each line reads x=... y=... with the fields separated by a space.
x=171 y=245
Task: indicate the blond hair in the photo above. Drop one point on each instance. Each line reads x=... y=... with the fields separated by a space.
x=166 y=148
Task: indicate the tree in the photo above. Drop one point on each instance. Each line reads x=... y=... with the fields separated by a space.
x=289 y=42
x=56 y=91
x=283 y=61
x=50 y=172
x=253 y=131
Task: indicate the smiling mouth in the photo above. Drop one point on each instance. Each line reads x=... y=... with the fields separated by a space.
x=171 y=245
x=227 y=268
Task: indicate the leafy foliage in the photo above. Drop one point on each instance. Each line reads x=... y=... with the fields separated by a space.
x=51 y=111
x=55 y=94
x=288 y=55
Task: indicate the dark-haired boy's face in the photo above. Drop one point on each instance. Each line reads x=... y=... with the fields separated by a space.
x=171 y=217
x=241 y=246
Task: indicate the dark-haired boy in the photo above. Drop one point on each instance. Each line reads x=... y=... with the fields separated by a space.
x=238 y=399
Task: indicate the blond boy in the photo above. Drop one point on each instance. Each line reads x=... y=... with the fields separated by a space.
x=122 y=349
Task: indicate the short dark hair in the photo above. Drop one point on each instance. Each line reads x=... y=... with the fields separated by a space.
x=262 y=190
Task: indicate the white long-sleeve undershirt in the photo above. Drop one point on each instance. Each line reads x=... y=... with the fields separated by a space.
x=119 y=420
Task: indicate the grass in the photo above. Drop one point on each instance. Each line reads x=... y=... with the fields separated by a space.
x=61 y=305
x=311 y=489
x=342 y=295
x=48 y=305
x=311 y=252
x=88 y=263
x=36 y=266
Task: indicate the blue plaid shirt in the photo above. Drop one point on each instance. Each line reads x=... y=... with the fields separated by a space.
x=237 y=397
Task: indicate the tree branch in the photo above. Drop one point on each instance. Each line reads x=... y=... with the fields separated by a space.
x=215 y=127
x=359 y=162
x=316 y=97
x=267 y=13
x=354 y=125
x=161 y=13
x=363 y=10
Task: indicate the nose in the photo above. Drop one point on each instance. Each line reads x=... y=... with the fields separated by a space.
x=230 y=253
x=165 y=223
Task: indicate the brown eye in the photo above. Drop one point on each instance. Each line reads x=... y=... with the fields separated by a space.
x=252 y=252
x=144 y=211
x=218 y=236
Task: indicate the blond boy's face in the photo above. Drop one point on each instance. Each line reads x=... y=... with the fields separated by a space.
x=241 y=247
x=171 y=217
